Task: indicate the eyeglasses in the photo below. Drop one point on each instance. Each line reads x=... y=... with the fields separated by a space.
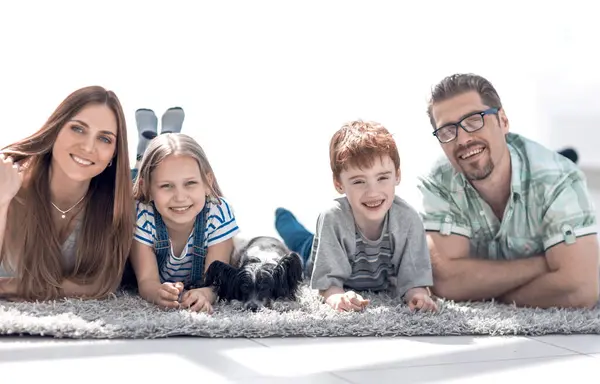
x=470 y=123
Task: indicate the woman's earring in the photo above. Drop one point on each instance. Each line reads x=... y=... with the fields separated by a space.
x=110 y=163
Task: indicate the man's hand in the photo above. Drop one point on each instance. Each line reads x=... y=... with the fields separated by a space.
x=571 y=280
x=459 y=277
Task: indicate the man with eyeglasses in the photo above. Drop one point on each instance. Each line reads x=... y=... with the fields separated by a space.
x=506 y=218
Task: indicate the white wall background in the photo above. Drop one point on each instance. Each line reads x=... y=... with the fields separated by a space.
x=264 y=84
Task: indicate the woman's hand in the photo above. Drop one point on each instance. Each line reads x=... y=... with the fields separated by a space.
x=11 y=179
x=8 y=288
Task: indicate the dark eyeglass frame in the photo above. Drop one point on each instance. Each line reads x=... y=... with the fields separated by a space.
x=489 y=111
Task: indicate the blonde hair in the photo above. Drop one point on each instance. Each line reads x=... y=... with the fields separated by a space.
x=104 y=241
x=172 y=144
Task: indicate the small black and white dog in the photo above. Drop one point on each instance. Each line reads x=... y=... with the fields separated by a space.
x=263 y=270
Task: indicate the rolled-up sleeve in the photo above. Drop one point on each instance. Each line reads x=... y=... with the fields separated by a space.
x=439 y=212
x=570 y=212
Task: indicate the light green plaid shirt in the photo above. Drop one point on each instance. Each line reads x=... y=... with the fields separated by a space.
x=549 y=204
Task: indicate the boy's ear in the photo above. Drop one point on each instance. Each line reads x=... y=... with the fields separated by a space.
x=398 y=176
x=338 y=185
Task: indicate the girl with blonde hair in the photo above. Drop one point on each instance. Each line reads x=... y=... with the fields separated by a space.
x=183 y=224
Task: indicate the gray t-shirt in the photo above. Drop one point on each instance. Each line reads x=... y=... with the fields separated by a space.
x=68 y=248
x=342 y=256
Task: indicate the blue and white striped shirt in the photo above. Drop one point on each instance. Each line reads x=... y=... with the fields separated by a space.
x=220 y=226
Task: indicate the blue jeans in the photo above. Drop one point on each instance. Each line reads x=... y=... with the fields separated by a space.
x=294 y=235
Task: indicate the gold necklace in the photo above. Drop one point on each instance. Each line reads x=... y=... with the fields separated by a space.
x=68 y=210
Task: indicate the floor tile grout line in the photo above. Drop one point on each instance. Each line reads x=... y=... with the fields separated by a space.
x=557 y=346
x=334 y=374
x=463 y=362
x=260 y=343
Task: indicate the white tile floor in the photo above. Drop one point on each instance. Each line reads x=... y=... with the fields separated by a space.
x=457 y=359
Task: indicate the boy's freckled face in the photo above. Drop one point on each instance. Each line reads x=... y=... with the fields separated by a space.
x=371 y=191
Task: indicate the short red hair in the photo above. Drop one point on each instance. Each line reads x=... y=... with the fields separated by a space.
x=359 y=144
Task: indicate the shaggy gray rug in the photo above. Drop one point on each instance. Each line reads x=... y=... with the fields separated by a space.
x=128 y=316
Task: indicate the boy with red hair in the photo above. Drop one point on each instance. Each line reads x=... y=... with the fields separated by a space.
x=370 y=239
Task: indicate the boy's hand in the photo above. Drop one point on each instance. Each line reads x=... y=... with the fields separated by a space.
x=347 y=301
x=198 y=300
x=167 y=295
x=420 y=299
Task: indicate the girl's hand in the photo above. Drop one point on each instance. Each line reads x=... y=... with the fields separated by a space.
x=198 y=300
x=167 y=295
x=10 y=179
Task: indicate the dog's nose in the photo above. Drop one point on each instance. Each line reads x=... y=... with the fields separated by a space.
x=252 y=307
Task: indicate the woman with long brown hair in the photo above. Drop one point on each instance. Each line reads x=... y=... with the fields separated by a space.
x=66 y=209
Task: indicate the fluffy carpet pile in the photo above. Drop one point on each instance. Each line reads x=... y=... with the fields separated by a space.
x=128 y=316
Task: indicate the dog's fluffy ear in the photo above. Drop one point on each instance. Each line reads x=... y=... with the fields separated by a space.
x=287 y=276
x=222 y=277
x=239 y=246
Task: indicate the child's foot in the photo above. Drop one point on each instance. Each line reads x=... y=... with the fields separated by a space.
x=172 y=120
x=147 y=126
x=293 y=233
x=570 y=153
x=147 y=123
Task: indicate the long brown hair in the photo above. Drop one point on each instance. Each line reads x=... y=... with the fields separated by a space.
x=164 y=146
x=106 y=234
